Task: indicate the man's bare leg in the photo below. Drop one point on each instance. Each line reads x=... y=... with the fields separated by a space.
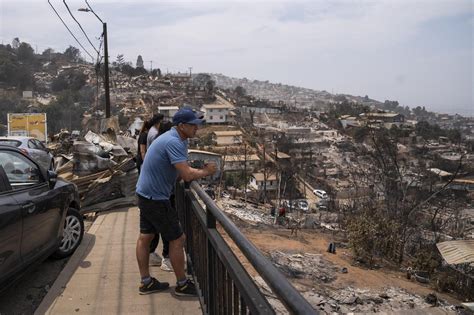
x=143 y=253
x=177 y=257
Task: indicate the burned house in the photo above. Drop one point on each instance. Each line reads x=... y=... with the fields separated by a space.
x=240 y=161
x=228 y=137
x=382 y=119
x=260 y=182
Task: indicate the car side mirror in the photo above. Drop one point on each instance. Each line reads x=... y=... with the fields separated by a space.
x=52 y=178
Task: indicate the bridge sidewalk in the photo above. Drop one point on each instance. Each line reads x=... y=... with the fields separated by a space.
x=102 y=276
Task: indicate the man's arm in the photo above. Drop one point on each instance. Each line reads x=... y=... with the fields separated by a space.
x=188 y=173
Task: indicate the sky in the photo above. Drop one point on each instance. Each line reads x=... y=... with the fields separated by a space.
x=418 y=52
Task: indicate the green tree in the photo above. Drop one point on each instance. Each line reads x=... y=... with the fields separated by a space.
x=240 y=91
x=360 y=134
x=64 y=112
x=128 y=70
x=11 y=105
x=391 y=105
x=12 y=72
x=71 y=79
x=72 y=54
x=48 y=52
x=120 y=60
x=454 y=135
x=25 y=79
x=372 y=235
x=25 y=53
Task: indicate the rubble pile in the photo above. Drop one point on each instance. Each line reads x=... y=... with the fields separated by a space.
x=352 y=300
x=104 y=171
x=248 y=213
x=306 y=265
x=364 y=301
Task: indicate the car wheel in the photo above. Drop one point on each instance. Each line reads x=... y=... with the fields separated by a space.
x=72 y=234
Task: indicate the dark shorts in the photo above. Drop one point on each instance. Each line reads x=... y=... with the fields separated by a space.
x=158 y=216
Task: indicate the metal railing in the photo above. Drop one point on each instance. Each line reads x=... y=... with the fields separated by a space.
x=225 y=287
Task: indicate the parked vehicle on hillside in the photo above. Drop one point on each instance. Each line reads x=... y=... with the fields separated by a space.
x=39 y=214
x=303 y=205
x=32 y=147
x=320 y=193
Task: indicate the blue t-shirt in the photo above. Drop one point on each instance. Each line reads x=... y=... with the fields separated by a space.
x=158 y=174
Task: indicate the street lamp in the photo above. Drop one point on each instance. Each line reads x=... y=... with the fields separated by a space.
x=106 y=60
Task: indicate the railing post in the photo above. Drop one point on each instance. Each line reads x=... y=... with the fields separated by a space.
x=185 y=219
x=211 y=262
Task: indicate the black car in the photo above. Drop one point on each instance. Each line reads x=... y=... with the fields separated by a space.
x=39 y=214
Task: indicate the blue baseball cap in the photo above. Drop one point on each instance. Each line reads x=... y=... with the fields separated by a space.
x=186 y=115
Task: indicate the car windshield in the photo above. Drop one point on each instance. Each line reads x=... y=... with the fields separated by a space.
x=10 y=142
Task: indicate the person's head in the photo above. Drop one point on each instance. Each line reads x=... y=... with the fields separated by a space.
x=187 y=122
x=164 y=127
x=156 y=119
x=147 y=124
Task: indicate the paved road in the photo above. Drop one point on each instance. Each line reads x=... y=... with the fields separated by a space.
x=26 y=294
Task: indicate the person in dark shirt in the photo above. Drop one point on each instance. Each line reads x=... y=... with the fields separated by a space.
x=141 y=149
x=143 y=136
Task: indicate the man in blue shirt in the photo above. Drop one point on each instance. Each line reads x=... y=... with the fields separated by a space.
x=166 y=158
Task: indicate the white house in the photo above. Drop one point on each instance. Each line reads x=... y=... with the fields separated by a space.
x=257 y=181
x=216 y=113
x=228 y=137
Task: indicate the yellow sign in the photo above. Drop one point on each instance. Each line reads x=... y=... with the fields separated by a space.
x=28 y=124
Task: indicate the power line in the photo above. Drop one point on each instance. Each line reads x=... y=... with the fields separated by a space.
x=70 y=30
x=80 y=26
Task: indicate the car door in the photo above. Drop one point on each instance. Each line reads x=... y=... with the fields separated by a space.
x=45 y=155
x=40 y=206
x=10 y=229
x=37 y=153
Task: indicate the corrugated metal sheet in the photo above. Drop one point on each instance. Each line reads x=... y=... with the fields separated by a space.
x=457 y=252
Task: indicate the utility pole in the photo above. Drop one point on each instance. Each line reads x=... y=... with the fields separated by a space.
x=245 y=173
x=277 y=166
x=151 y=65
x=106 y=69
x=303 y=167
x=106 y=59
x=264 y=173
x=219 y=187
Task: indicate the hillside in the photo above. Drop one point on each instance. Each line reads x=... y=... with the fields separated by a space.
x=301 y=97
